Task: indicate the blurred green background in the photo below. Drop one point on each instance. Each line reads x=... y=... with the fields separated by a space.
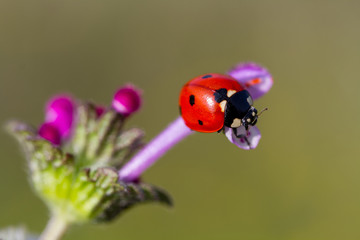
x=302 y=182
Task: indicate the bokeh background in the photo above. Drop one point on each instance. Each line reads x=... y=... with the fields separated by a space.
x=302 y=182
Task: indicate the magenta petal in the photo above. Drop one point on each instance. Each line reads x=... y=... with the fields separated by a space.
x=60 y=113
x=255 y=78
x=253 y=136
x=50 y=133
x=127 y=100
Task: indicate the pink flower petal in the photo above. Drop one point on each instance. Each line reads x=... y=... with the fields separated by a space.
x=50 y=133
x=252 y=136
x=253 y=77
x=60 y=113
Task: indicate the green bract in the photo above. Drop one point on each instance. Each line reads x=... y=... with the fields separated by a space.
x=79 y=182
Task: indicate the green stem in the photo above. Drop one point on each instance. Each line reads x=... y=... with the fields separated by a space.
x=55 y=229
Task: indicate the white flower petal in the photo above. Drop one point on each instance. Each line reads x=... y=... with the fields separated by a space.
x=248 y=140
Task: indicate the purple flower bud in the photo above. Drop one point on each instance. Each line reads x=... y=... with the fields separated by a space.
x=99 y=110
x=255 y=78
x=127 y=100
x=60 y=113
x=49 y=132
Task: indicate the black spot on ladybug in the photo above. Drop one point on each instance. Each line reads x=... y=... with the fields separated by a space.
x=192 y=100
x=200 y=122
x=206 y=76
x=220 y=95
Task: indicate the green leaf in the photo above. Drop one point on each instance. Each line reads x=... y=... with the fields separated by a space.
x=131 y=194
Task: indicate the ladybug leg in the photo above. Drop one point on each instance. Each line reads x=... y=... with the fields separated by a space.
x=242 y=136
x=247 y=142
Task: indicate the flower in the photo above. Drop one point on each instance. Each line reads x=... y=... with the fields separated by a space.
x=253 y=77
x=257 y=81
x=74 y=158
x=79 y=156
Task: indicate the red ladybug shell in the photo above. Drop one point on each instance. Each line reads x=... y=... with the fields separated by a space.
x=197 y=102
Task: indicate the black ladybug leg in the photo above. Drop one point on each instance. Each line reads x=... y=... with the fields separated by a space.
x=221 y=130
x=242 y=136
x=247 y=141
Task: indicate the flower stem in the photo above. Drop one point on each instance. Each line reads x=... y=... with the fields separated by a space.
x=55 y=229
x=173 y=134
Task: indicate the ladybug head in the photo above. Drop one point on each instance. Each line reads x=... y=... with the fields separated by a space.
x=250 y=118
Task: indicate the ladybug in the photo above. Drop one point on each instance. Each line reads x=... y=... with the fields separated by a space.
x=211 y=101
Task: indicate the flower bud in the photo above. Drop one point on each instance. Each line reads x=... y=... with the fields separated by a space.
x=100 y=110
x=50 y=133
x=127 y=100
x=60 y=113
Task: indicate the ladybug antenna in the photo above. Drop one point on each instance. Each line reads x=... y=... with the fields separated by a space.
x=265 y=109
